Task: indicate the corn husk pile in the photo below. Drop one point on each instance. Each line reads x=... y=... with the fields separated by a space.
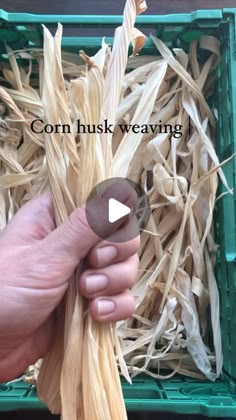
x=176 y=292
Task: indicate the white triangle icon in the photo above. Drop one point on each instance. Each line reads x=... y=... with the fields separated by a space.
x=117 y=210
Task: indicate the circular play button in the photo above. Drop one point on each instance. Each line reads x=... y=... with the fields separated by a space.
x=117 y=209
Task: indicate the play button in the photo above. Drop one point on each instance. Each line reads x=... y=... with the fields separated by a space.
x=117 y=209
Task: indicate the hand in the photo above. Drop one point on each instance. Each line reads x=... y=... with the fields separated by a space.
x=36 y=262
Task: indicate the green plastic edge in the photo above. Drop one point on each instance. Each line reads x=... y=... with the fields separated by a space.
x=110 y=19
x=230 y=243
x=216 y=405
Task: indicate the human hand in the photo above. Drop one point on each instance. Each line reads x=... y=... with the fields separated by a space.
x=36 y=262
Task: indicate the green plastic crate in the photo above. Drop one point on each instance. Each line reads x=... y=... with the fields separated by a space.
x=180 y=395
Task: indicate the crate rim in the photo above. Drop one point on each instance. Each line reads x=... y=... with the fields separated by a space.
x=107 y=20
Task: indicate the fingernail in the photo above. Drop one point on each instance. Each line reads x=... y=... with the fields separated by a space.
x=106 y=254
x=106 y=307
x=96 y=282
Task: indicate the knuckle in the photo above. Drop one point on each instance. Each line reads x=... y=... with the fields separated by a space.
x=133 y=267
x=131 y=302
x=129 y=275
x=136 y=261
x=133 y=245
x=136 y=243
x=77 y=220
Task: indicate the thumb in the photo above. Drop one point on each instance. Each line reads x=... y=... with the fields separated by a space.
x=75 y=238
x=35 y=222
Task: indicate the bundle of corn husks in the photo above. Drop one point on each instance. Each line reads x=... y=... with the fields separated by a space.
x=172 y=156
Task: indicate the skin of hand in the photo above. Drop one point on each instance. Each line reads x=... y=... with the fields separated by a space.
x=37 y=260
